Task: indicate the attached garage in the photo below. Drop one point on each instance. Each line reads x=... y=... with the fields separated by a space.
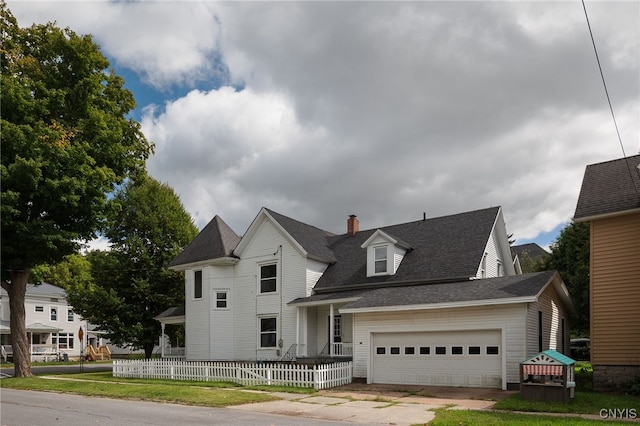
x=453 y=358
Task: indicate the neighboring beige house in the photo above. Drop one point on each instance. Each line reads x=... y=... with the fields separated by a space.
x=610 y=201
x=436 y=301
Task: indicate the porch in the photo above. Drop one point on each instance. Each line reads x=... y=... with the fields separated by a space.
x=323 y=334
x=172 y=316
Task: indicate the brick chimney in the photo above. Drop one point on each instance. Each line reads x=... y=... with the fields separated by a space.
x=353 y=224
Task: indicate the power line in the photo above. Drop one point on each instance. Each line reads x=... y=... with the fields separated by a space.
x=606 y=91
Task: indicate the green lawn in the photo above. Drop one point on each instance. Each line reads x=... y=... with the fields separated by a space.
x=473 y=417
x=96 y=384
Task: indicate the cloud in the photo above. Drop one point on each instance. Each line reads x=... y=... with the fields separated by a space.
x=381 y=109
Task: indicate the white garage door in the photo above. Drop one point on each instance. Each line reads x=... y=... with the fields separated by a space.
x=452 y=358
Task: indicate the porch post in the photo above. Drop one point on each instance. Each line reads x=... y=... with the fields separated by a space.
x=331 y=336
x=297 y=331
x=162 y=341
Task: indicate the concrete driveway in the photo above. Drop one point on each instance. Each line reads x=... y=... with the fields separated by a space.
x=378 y=404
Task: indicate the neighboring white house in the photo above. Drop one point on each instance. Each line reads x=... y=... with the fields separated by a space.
x=435 y=302
x=52 y=326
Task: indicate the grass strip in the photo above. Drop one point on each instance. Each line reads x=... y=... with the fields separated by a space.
x=583 y=403
x=446 y=417
x=186 y=394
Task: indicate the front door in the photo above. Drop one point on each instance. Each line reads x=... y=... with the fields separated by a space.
x=337 y=328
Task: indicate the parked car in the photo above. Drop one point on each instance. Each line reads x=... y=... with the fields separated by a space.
x=580 y=349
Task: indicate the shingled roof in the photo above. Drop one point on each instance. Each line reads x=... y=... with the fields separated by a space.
x=313 y=240
x=442 y=248
x=216 y=240
x=608 y=188
x=524 y=287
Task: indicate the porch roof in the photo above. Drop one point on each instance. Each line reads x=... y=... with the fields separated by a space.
x=38 y=327
x=173 y=315
x=502 y=290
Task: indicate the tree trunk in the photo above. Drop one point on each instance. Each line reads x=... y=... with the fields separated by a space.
x=148 y=350
x=19 y=339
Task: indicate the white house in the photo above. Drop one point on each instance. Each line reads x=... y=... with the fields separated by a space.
x=52 y=326
x=435 y=301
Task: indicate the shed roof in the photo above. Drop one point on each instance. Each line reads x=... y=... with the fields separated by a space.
x=548 y=357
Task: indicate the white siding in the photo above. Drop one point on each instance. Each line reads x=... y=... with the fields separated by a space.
x=267 y=245
x=221 y=326
x=553 y=313
x=315 y=270
x=492 y=251
x=398 y=255
x=510 y=318
x=197 y=318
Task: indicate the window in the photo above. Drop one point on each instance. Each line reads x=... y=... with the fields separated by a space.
x=394 y=350
x=221 y=300
x=492 y=350
x=425 y=350
x=381 y=350
x=268 y=276
x=70 y=315
x=39 y=308
x=499 y=268
x=197 y=285
x=380 y=260
x=53 y=314
x=63 y=340
x=441 y=350
x=456 y=350
x=409 y=350
x=540 y=331
x=268 y=332
x=474 y=350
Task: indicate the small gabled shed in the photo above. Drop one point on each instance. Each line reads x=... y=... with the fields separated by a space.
x=547 y=376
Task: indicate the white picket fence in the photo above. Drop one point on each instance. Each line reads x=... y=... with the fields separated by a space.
x=247 y=374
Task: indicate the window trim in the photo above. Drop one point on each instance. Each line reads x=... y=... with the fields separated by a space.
x=225 y=299
x=382 y=261
x=68 y=337
x=261 y=279
x=71 y=316
x=261 y=332
x=52 y=310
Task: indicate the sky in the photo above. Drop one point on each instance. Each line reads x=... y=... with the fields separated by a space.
x=385 y=110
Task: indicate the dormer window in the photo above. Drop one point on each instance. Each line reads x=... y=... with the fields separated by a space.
x=384 y=253
x=380 y=260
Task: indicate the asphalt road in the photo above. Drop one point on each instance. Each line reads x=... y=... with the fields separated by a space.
x=87 y=367
x=45 y=408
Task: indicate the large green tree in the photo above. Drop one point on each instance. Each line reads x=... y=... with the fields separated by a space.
x=66 y=143
x=570 y=257
x=131 y=283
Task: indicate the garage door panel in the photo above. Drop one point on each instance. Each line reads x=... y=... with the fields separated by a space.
x=457 y=358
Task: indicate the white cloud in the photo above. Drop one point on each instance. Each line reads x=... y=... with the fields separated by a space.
x=381 y=109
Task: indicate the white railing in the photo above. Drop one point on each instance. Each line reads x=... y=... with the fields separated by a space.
x=339 y=349
x=44 y=352
x=343 y=349
x=246 y=374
